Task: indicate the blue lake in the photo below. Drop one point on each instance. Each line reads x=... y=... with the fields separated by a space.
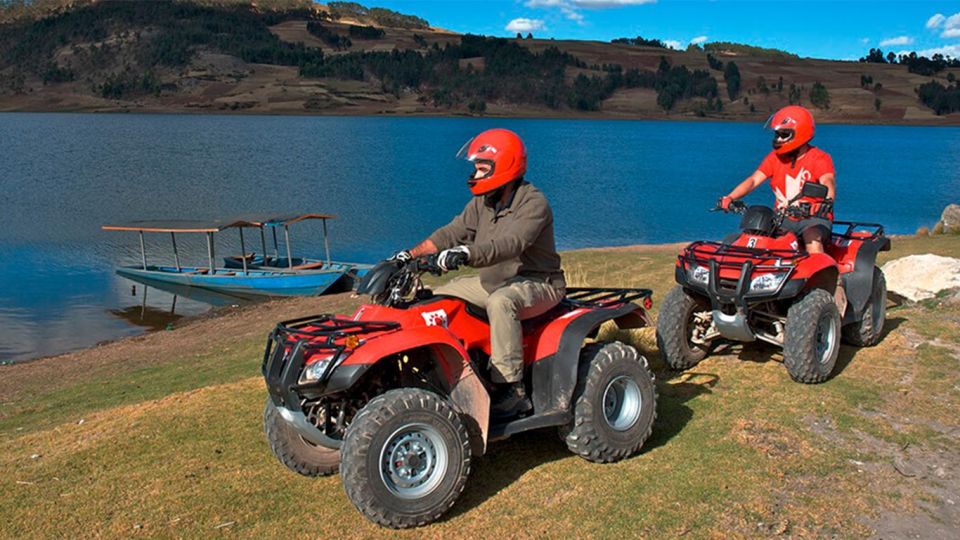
x=391 y=181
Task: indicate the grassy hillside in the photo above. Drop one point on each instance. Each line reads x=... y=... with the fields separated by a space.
x=160 y=436
x=297 y=57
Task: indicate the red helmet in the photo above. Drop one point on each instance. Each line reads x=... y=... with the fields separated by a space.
x=503 y=151
x=792 y=128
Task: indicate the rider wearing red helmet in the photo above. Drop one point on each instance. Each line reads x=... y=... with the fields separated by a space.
x=506 y=230
x=792 y=163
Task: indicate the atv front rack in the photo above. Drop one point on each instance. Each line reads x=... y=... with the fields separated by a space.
x=704 y=253
x=599 y=297
x=293 y=342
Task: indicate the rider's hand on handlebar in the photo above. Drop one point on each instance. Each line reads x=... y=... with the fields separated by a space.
x=451 y=259
x=724 y=203
x=403 y=256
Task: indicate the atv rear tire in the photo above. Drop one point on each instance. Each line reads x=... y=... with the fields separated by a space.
x=292 y=450
x=812 y=337
x=867 y=332
x=674 y=326
x=406 y=458
x=615 y=403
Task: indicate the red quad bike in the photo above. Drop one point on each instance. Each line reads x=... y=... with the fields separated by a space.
x=396 y=395
x=759 y=284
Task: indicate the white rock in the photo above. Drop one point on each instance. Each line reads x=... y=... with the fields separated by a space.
x=950 y=219
x=918 y=277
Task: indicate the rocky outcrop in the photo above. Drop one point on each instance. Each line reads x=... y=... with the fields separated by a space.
x=918 y=277
x=950 y=219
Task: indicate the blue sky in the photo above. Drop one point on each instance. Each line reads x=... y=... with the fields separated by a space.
x=818 y=29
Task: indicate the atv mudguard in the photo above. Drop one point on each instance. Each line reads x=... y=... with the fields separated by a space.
x=858 y=284
x=558 y=352
x=463 y=386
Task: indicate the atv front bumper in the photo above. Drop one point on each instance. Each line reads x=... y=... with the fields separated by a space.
x=289 y=347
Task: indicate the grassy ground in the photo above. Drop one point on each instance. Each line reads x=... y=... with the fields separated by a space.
x=160 y=436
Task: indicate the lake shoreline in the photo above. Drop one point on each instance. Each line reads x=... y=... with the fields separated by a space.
x=949 y=121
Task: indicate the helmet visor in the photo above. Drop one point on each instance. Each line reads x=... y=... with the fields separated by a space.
x=476 y=168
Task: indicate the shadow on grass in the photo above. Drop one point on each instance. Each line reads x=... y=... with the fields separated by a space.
x=847 y=352
x=507 y=461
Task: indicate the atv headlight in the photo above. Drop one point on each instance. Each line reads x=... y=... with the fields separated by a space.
x=699 y=274
x=316 y=368
x=767 y=282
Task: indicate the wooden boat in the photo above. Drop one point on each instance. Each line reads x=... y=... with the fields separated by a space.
x=247 y=280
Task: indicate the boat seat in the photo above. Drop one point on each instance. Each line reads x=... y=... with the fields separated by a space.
x=249 y=257
x=309 y=266
x=198 y=271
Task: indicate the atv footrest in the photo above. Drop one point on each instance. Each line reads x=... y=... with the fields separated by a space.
x=504 y=430
x=598 y=297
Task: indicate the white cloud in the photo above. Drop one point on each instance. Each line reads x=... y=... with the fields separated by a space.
x=935 y=21
x=698 y=40
x=570 y=8
x=672 y=43
x=525 y=25
x=899 y=40
x=951 y=26
x=952 y=51
x=865 y=40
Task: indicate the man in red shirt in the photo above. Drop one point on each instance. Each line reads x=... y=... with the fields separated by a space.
x=792 y=163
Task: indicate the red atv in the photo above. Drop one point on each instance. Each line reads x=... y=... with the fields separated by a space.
x=759 y=284
x=396 y=396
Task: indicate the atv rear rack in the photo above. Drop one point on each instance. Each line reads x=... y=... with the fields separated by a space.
x=876 y=230
x=599 y=297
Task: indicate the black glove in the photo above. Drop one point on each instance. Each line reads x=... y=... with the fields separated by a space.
x=453 y=258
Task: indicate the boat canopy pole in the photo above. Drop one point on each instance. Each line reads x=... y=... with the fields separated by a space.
x=326 y=241
x=143 y=251
x=286 y=235
x=263 y=245
x=243 y=250
x=210 y=251
x=276 y=246
x=176 y=254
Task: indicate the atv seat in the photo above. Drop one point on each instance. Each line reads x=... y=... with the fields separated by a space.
x=528 y=324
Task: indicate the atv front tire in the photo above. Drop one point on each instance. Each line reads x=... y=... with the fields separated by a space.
x=867 y=332
x=812 y=337
x=615 y=403
x=674 y=329
x=406 y=458
x=300 y=456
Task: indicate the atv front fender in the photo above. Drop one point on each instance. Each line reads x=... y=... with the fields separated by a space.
x=463 y=385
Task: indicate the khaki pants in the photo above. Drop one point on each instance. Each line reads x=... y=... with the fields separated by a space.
x=521 y=298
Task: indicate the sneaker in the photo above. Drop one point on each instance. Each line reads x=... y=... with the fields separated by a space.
x=511 y=400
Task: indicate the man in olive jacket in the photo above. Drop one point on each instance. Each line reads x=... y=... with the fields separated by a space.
x=506 y=231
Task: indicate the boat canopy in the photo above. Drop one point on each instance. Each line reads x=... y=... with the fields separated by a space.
x=213 y=226
x=173 y=226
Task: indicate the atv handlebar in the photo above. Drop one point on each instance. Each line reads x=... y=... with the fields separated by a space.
x=737 y=207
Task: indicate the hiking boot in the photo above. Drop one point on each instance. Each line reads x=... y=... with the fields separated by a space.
x=510 y=400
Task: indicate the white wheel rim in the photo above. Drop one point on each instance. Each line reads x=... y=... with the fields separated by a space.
x=622 y=403
x=413 y=461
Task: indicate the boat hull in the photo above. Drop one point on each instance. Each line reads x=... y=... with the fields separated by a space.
x=249 y=285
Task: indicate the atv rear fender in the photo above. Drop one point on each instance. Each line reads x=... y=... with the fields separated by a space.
x=858 y=283
x=558 y=351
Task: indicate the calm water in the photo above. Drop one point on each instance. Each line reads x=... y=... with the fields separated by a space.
x=391 y=181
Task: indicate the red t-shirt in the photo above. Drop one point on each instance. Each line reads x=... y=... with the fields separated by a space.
x=786 y=180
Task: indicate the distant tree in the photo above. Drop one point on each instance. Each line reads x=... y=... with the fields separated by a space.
x=780 y=85
x=477 y=106
x=731 y=74
x=640 y=42
x=876 y=104
x=714 y=63
x=951 y=77
x=529 y=35
x=875 y=56
x=891 y=58
x=819 y=96
x=762 y=86
x=939 y=98
x=519 y=35
x=794 y=94
x=877 y=87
